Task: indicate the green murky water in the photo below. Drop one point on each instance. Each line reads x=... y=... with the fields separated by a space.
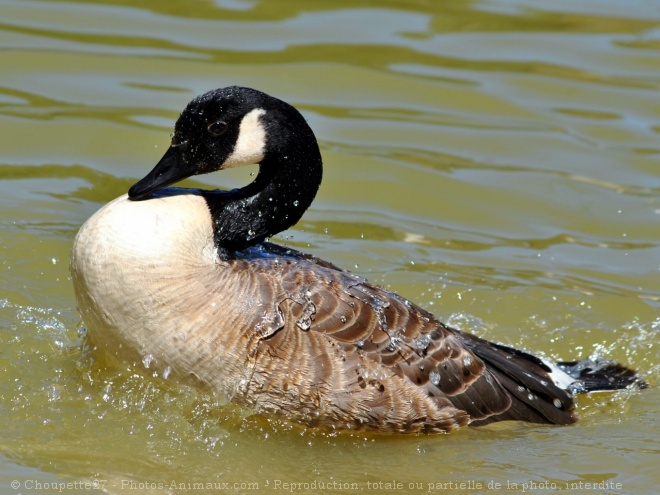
x=497 y=162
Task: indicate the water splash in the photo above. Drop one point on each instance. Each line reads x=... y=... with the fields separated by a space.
x=166 y=372
x=147 y=360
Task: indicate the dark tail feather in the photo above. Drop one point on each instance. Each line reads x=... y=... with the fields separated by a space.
x=530 y=382
x=594 y=376
x=535 y=397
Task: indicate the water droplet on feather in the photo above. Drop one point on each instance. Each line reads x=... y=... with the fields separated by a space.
x=304 y=323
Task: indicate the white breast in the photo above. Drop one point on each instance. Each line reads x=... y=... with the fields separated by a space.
x=149 y=287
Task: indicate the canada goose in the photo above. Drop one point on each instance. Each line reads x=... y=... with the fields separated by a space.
x=184 y=281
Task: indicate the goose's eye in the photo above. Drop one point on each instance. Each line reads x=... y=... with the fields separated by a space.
x=217 y=128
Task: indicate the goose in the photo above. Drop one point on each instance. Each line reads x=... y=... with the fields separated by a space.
x=185 y=282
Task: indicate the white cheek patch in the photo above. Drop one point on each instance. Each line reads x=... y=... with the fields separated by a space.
x=251 y=143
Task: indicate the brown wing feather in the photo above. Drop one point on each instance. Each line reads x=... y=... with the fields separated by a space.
x=352 y=354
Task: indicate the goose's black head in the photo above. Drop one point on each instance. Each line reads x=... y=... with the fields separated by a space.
x=236 y=126
x=219 y=129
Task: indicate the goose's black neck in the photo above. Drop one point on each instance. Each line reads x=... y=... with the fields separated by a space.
x=288 y=179
x=236 y=126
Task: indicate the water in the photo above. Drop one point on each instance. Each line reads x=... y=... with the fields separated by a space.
x=496 y=162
